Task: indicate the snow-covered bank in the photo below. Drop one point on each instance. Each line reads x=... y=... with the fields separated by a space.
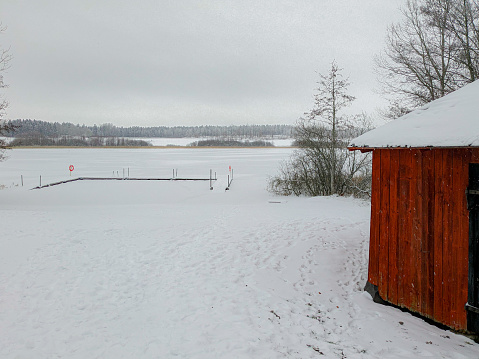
x=162 y=270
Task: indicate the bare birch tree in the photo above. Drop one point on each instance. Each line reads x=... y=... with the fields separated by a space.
x=322 y=165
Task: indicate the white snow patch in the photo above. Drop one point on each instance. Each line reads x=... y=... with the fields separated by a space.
x=127 y=269
x=451 y=121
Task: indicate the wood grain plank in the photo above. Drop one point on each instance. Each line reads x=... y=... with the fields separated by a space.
x=415 y=257
x=384 y=225
x=462 y=239
x=448 y=235
x=427 y=279
x=375 y=220
x=439 y=203
x=404 y=239
x=456 y=235
x=393 y=227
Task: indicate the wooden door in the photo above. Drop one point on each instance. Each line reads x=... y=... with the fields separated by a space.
x=472 y=194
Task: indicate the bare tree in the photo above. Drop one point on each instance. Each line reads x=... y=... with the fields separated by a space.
x=464 y=24
x=5 y=127
x=418 y=63
x=322 y=165
x=432 y=52
x=330 y=99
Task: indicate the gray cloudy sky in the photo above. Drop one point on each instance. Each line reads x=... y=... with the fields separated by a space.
x=185 y=62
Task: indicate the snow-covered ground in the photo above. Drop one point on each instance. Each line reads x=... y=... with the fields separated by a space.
x=125 y=269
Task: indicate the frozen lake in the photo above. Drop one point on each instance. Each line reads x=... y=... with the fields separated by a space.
x=53 y=164
x=147 y=269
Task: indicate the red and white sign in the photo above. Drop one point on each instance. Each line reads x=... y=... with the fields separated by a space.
x=71 y=168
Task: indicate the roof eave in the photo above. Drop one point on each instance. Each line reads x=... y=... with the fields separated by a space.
x=369 y=149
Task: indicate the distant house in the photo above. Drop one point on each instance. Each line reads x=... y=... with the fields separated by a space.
x=424 y=242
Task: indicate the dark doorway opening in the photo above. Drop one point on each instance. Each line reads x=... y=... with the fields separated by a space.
x=472 y=194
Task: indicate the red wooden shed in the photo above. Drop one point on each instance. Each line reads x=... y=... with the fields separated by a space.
x=424 y=239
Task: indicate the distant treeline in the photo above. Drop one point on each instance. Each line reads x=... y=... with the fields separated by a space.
x=230 y=143
x=38 y=140
x=31 y=128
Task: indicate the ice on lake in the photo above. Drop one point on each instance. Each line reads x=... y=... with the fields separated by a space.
x=148 y=269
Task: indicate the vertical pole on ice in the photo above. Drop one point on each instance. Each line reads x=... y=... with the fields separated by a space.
x=211 y=179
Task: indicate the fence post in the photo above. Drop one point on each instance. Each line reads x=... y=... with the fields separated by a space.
x=40 y=180
x=22 y=180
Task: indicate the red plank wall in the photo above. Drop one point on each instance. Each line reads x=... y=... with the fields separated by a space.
x=419 y=239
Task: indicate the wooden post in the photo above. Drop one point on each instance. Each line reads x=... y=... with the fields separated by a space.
x=40 y=180
x=22 y=180
x=211 y=179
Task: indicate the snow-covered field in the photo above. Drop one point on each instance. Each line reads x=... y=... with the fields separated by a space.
x=125 y=269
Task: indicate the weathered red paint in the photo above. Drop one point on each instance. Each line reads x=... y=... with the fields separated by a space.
x=420 y=230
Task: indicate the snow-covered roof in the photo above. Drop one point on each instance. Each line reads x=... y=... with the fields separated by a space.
x=451 y=121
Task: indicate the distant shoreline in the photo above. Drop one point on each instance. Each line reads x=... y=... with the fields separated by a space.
x=148 y=147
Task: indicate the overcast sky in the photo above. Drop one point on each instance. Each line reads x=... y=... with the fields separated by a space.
x=184 y=62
